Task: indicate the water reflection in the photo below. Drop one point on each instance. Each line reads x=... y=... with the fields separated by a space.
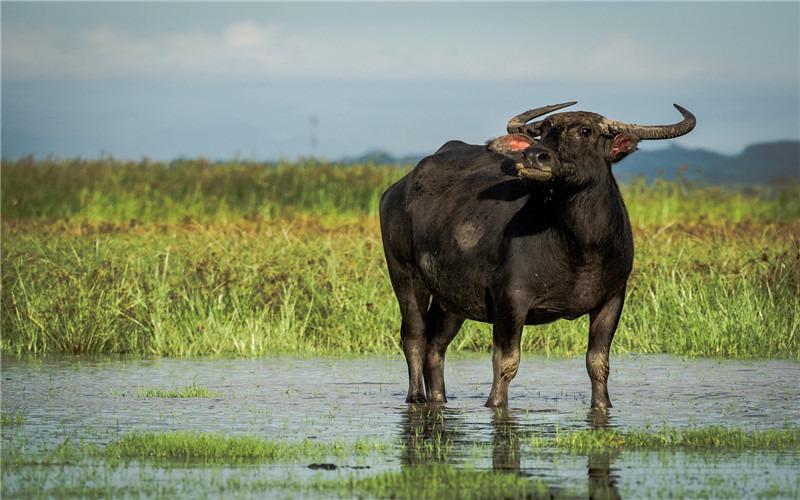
x=429 y=433
x=602 y=476
x=437 y=434
x=506 y=438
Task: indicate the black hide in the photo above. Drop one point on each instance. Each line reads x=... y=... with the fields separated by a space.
x=471 y=233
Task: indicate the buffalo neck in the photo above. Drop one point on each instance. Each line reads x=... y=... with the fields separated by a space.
x=595 y=215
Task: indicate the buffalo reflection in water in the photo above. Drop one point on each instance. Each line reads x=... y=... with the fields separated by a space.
x=435 y=434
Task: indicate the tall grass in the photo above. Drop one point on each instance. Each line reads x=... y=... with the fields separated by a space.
x=111 y=190
x=198 y=259
x=119 y=191
x=296 y=287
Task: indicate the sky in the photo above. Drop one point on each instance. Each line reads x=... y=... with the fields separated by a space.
x=262 y=81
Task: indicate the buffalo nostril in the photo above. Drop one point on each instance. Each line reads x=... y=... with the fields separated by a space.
x=543 y=156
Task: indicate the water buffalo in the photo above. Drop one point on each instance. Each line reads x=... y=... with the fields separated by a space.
x=525 y=230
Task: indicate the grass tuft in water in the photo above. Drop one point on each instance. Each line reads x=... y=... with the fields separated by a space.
x=705 y=438
x=211 y=447
x=190 y=391
x=10 y=419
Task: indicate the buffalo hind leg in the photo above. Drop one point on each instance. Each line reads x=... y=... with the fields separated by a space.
x=412 y=297
x=506 y=337
x=602 y=325
x=440 y=329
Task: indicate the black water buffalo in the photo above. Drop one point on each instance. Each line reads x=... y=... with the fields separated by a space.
x=525 y=230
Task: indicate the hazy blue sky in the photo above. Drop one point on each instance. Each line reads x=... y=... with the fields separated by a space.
x=170 y=79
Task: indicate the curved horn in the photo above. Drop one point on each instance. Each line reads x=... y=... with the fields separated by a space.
x=645 y=132
x=516 y=125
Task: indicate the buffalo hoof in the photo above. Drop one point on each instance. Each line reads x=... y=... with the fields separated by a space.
x=496 y=403
x=598 y=418
x=437 y=398
x=601 y=405
x=416 y=398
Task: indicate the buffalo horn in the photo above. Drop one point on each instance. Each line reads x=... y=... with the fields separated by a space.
x=645 y=132
x=516 y=125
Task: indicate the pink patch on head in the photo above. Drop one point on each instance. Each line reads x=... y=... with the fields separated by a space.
x=515 y=142
x=512 y=143
x=518 y=144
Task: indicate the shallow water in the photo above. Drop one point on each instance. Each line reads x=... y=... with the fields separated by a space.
x=292 y=399
x=328 y=398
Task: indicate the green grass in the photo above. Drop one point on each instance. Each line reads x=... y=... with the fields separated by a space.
x=194 y=259
x=156 y=462
x=702 y=439
x=11 y=419
x=190 y=446
x=109 y=190
x=113 y=480
x=190 y=391
x=221 y=448
x=118 y=191
x=443 y=481
x=301 y=288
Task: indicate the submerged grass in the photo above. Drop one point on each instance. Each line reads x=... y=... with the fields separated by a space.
x=209 y=447
x=96 y=481
x=444 y=481
x=139 y=462
x=192 y=259
x=190 y=391
x=11 y=419
x=703 y=439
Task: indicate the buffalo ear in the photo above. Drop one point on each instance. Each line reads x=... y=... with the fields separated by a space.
x=510 y=144
x=622 y=145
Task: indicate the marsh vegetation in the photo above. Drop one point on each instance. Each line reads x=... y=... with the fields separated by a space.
x=193 y=258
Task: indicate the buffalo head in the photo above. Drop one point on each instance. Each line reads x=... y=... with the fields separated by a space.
x=575 y=147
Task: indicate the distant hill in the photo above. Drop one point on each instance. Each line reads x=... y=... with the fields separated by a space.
x=379 y=157
x=761 y=163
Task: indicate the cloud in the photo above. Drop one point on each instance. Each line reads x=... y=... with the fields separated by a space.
x=245 y=34
x=250 y=49
x=629 y=60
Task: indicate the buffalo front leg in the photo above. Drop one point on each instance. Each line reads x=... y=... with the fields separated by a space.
x=441 y=328
x=603 y=324
x=506 y=337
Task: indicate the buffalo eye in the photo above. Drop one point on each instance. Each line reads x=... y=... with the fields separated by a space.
x=586 y=131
